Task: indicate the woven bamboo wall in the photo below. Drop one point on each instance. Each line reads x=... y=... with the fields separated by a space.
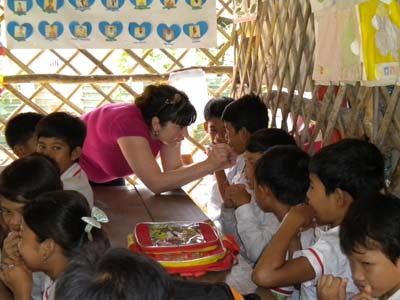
x=274 y=56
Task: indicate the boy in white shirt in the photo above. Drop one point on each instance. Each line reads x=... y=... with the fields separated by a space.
x=61 y=137
x=339 y=174
x=370 y=237
x=215 y=128
x=241 y=118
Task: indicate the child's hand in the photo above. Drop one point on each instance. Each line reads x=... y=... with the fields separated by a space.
x=303 y=215
x=220 y=156
x=366 y=294
x=11 y=253
x=238 y=194
x=331 y=288
x=18 y=279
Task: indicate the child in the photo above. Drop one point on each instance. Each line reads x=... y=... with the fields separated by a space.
x=20 y=183
x=118 y=274
x=339 y=174
x=241 y=118
x=256 y=227
x=20 y=133
x=281 y=180
x=61 y=136
x=215 y=128
x=370 y=237
x=57 y=227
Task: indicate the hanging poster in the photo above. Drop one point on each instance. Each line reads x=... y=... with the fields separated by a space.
x=245 y=10
x=337 y=50
x=110 y=24
x=380 y=29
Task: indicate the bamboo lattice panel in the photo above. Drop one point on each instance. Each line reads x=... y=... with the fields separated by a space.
x=71 y=87
x=274 y=56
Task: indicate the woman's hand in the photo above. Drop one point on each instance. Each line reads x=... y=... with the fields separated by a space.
x=331 y=288
x=238 y=194
x=11 y=253
x=221 y=156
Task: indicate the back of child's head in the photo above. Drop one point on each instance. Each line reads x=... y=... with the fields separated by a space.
x=263 y=139
x=28 y=177
x=58 y=216
x=63 y=126
x=373 y=224
x=247 y=112
x=215 y=107
x=284 y=170
x=119 y=274
x=21 y=128
x=354 y=166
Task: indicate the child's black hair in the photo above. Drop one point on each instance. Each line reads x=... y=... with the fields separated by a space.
x=21 y=128
x=28 y=177
x=373 y=223
x=119 y=274
x=284 y=170
x=355 y=166
x=63 y=126
x=58 y=216
x=263 y=139
x=247 y=112
x=215 y=107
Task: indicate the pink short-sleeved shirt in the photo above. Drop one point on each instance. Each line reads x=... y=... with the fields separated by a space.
x=102 y=158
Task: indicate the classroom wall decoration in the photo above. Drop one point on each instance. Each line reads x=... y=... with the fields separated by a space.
x=357 y=40
x=110 y=24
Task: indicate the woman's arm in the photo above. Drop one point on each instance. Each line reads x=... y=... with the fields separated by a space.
x=138 y=154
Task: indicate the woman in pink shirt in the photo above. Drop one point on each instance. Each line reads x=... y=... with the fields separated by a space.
x=124 y=138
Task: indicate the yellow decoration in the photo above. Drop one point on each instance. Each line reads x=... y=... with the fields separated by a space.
x=380 y=31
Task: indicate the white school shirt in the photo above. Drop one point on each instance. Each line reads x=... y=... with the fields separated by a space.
x=395 y=296
x=326 y=258
x=49 y=289
x=74 y=178
x=255 y=228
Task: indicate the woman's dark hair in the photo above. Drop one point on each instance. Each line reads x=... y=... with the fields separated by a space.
x=263 y=139
x=284 y=170
x=118 y=274
x=167 y=103
x=58 y=216
x=28 y=177
x=373 y=223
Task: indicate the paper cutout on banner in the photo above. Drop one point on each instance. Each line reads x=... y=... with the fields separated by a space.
x=380 y=29
x=196 y=4
x=140 y=31
x=112 y=5
x=245 y=10
x=141 y=4
x=20 y=32
x=195 y=31
x=110 y=30
x=337 y=30
x=81 y=5
x=50 y=6
x=80 y=30
x=168 y=33
x=169 y=4
x=20 y=7
x=51 y=31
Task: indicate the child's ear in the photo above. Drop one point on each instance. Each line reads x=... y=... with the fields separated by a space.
x=47 y=248
x=76 y=153
x=205 y=125
x=342 y=198
x=19 y=150
x=244 y=134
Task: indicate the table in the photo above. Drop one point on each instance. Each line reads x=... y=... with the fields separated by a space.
x=126 y=207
